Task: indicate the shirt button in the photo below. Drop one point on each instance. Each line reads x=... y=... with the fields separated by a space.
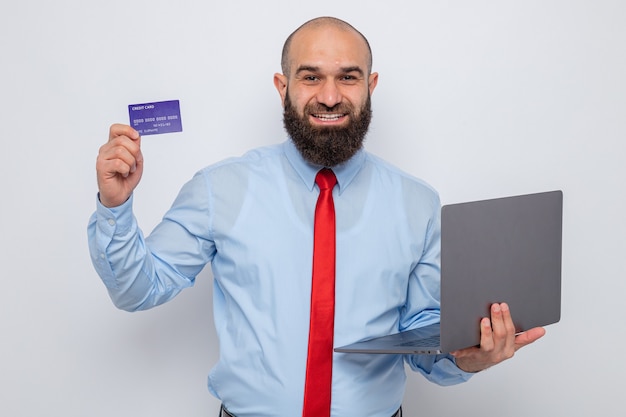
x=111 y=222
x=102 y=256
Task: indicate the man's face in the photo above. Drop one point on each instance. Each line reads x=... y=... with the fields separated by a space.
x=326 y=95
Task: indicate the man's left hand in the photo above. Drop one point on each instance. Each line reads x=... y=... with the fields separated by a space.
x=498 y=341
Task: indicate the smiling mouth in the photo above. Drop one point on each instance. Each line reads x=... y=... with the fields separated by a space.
x=329 y=117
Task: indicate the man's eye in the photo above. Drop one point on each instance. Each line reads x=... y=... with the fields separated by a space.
x=310 y=78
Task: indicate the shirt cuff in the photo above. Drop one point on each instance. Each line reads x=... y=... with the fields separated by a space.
x=117 y=219
x=464 y=374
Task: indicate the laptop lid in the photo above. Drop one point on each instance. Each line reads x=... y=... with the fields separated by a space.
x=499 y=250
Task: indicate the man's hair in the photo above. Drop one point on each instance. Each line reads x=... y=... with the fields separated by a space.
x=319 y=22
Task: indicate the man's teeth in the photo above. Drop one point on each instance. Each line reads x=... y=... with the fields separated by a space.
x=329 y=117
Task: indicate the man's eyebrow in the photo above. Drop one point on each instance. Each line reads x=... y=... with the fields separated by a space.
x=355 y=68
x=304 y=68
x=345 y=70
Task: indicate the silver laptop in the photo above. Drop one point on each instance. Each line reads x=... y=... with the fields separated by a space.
x=499 y=250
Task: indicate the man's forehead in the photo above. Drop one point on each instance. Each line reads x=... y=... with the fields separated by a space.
x=312 y=46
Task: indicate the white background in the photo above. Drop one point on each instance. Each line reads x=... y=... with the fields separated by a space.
x=479 y=98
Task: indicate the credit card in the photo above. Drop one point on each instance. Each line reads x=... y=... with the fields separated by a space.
x=156 y=118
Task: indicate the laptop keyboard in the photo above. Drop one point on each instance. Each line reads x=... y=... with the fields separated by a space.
x=428 y=342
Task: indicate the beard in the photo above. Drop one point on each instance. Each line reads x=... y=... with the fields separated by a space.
x=327 y=146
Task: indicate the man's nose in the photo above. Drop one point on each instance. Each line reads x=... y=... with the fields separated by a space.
x=329 y=94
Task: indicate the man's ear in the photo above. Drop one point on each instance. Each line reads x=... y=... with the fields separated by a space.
x=280 y=82
x=373 y=81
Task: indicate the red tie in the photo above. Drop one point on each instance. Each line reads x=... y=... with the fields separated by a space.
x=319 y=364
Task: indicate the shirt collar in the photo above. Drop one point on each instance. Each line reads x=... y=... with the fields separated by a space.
x=345 y=172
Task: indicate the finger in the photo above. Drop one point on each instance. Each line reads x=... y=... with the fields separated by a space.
x=121 y=163
x=486 y=335
x=497 y=321
x=120 y=147
x=122 y=156
x=501 y=320
x=507 y=319
x=529 y=337
x=123 y=130
x=509 y=326
x=498 y=326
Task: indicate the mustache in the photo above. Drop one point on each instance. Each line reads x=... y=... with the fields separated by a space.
x=316 y=108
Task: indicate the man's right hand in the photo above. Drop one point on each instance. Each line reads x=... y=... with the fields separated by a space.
x=119 y=165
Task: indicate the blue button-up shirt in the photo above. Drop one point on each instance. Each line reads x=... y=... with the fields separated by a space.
x=251 y=218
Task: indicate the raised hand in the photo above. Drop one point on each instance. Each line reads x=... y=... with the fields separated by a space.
x=119 y=165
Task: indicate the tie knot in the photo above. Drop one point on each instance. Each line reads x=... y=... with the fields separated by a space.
x=325 y=179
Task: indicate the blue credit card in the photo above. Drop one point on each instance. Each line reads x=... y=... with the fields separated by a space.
x=156 y=118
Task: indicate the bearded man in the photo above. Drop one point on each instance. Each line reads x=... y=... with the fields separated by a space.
x=254 y=219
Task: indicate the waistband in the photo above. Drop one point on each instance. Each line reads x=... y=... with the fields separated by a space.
x=225 y=413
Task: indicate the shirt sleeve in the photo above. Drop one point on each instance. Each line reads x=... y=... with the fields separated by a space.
x=423 y=305
x=440 y=369
x=140 y=273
